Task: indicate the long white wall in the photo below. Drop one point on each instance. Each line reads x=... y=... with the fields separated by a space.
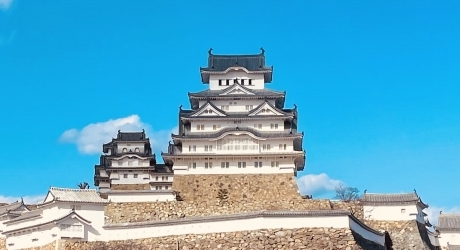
x=232 y=144
x=393 y=212
x=226 y=226
x=140 y=197
x=451 y=238
x=259 y=124
x=366 y=233
x=257 y=79
x=241 y=106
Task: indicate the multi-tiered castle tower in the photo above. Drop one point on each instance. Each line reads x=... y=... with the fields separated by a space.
x=237 y=126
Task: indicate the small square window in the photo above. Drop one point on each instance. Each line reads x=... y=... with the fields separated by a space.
x=125 y=175
x=403 y=210
x=135 y=175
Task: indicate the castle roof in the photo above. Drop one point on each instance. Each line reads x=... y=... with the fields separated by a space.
x=73 y=195
x=449 y=222
x=254 y=63
x=26 y=215
x=392 y=199
x=72 y=214
x=224 y=131
x=249 y=94
x=11 y=207
x=131 y=136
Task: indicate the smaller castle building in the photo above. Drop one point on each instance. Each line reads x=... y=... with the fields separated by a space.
x=128 y=171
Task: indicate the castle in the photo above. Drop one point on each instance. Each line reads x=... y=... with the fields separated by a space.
x=227 y=182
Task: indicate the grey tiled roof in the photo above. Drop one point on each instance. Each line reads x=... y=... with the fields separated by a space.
x=26 y=215
x=237 y=128
x=217 y=93
x=10 y=207
x=449 y=222
x=220 y=63
x=131 y=136
x=139 y=191
x=390 y=199
x=236 y=115
x=76 y=195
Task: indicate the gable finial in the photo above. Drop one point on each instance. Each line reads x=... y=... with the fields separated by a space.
x=180 y=107
x=210 y=51
x=365 y=191
x=415 y=192
x=262 y=50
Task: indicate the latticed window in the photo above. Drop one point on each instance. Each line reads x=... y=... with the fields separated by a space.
x=71 y=227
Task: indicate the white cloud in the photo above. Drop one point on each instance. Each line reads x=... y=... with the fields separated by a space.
x=433 y=212
x=90 y=138
x=5 y=4
x=27 y=199
x=312 y=184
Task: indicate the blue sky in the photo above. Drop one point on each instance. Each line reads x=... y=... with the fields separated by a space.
x=375 y=82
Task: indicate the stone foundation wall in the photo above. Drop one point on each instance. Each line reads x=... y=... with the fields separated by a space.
x=144 y=186
x=50 y=246
x=354 y=207
x=206 y=195
x=404 y=234
x=307 y=238
x=150 y=211
x=252 y=188
x=2 y=244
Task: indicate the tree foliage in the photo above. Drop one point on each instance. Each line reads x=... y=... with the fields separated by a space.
x=346 y=194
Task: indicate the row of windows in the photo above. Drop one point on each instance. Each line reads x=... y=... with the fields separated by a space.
x=71 y=228
x=229 y=146
x=161 y=188
x=242 y=164
x=163 y=178
x=130 y=163
x=217 y=126
x=125 y=150
x=226 y=82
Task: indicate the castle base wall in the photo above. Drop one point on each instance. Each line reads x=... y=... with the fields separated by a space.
x=404 y=234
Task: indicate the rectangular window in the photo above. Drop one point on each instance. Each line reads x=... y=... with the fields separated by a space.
x=250 y=81
x=242 y=81
x=194 y=148
x=224 y=107
x=272 y=126
x=135 y=175
x=193 y=165
x=276 y=126
x=266 y=147
x=258 y=164
x=125 y=175
x=120 y=163
x=228 y=82
x=403 y=210
x=220 y=82
x=202 y=127
x=241 y=164
x=208 y=165
x=260 y=126
x=189 y=148
x=225 y=164
x=206 y=147
x=282 y=147
x=249 y=107
x=166 y=187
x=157 y=187
x=275 y=164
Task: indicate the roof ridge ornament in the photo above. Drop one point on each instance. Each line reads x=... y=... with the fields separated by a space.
x=210 y=51
x=262 y=51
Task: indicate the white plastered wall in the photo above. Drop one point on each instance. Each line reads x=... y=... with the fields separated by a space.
x=257 y=79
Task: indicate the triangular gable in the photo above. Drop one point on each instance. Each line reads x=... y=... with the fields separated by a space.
x=49 y=197
x=237 y=89
x=209 y=109
x=72 y=216
x=265 y=109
